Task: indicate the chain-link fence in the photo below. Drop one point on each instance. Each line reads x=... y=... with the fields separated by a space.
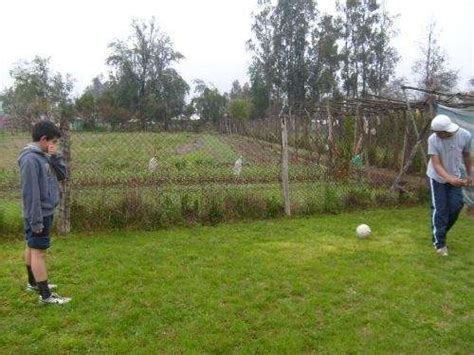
x=193 y=172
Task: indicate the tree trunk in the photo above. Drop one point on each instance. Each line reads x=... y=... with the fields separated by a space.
x=64 y=217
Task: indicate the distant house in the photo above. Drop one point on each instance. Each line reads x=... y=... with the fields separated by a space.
x=183 y=117
x=76 y=124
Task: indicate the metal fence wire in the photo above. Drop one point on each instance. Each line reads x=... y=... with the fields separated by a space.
x=339 y=157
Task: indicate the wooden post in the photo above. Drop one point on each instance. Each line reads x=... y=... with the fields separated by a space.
x=64 y=216
x=405 y=144
x=358 y=137
x=285 y=183
x=396 y=184
x=331 y=140
x=357 y=140
x=412 y=117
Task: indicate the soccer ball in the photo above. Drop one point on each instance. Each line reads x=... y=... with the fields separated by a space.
x=363 y=231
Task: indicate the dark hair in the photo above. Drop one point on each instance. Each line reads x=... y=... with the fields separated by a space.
x=45 y=128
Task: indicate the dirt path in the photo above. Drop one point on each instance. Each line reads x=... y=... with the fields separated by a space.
x=195 y=145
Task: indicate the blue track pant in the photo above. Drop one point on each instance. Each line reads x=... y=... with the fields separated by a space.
x=446 y=203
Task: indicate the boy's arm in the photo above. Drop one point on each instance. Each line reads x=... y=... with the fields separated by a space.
x=31 y=194
x=468 y=164
x=441 y=171
x=58 y=165
x=466 y=155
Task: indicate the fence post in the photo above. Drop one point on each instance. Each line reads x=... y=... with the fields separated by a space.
x=284 y=162
x=64 y=217
x=358 y=138
x=333 y=155
x=412 y=117
x=421 y=136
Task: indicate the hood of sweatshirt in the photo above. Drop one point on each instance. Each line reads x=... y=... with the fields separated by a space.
x=30 y=148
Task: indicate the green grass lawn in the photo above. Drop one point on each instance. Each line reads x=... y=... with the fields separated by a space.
x=279 y=286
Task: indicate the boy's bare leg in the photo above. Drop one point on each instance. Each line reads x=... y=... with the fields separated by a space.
x=31 y=277
x=38 y=264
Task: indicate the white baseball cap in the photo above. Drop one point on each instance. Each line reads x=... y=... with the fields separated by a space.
x=443 y=123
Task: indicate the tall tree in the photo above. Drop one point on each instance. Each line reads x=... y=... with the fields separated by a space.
x=86 y=108
x=97 y=87
x=262 y=68
x=208 y=102
x=259 y=91
x=236 y=90
x=147 y=85
x=37 y=92
x=368 y=58
x=432 y=68
x=385 y=56
x=292 y=22
x=324 y=60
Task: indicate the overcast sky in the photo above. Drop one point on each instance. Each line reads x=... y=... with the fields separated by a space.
x=210 y=33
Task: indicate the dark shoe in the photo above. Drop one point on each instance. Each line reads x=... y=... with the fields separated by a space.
x=443 y=251
x=54 y=299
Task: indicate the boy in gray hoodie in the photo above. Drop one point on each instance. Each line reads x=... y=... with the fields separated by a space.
x=40 y=169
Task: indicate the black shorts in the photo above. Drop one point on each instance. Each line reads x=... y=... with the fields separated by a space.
x=39 y=240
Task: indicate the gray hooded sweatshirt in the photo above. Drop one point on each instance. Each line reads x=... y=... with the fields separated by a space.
x=39 y=173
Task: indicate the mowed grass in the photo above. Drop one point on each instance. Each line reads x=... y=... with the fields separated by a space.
x=279 y=286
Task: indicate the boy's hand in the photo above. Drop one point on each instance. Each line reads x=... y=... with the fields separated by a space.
x=38 y=231
x=52 y=148
x=457 y=182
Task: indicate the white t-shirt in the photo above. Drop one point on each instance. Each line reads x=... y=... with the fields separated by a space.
x=450 y=151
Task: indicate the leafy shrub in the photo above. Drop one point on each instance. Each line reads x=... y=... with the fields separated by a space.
x=357 y=197
x=331 y=200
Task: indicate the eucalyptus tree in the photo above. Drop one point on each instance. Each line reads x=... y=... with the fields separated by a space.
x=262 y=68
x=324 y=60
x=368 y=58
x=293 y=21
x=145 y=81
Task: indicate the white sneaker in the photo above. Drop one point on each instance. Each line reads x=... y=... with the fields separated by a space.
x=442 y=251
x=54 y=299
x=30 y=288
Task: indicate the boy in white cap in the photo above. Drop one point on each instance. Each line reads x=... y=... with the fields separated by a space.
x=448 y=147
